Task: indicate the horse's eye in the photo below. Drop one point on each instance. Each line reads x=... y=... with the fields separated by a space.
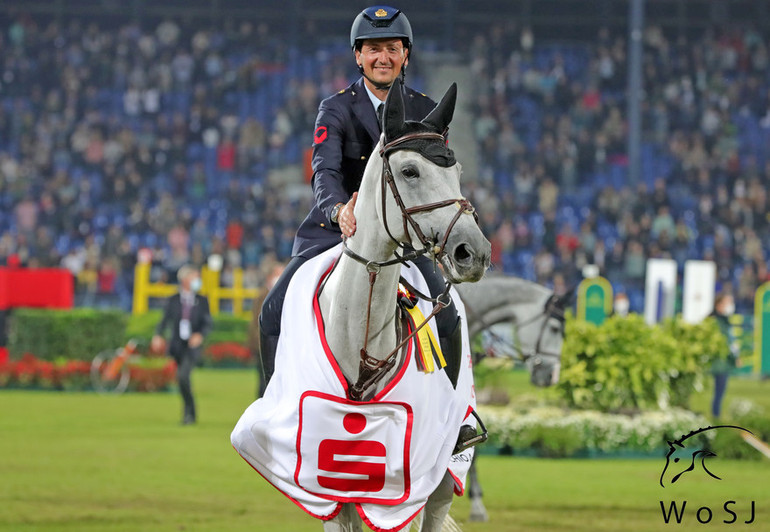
x=410 y=172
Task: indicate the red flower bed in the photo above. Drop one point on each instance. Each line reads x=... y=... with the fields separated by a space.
x=30 y=372
x=152 y=378
x=228 y=353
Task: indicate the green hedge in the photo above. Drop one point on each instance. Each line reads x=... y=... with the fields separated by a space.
x=627 y=365
x=226 y=328
x=77 y=333
x=81 y=333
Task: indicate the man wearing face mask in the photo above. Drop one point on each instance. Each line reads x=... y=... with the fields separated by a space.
x=621 y=305
x=187 y=315
x=723 y=364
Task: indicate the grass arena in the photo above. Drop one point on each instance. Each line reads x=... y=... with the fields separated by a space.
x=87 y=462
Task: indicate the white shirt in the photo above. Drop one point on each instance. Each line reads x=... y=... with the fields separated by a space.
x=376 y=102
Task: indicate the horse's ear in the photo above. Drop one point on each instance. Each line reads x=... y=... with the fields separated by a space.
x=393 y=114
x=442 y=114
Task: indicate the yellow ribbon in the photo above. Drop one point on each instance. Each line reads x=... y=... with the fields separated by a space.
x=426 y=341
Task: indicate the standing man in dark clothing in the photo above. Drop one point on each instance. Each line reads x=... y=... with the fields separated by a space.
x=347 y=129
x=724 y=363
x=187 y=314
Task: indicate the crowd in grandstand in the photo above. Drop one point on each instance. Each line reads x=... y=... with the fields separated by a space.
x=112 y=140
x=552 y=142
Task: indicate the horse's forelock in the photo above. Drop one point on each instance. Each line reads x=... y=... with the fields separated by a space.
x=436 y=151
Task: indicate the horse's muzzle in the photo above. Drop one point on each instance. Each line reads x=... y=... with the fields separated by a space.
x=466 y=260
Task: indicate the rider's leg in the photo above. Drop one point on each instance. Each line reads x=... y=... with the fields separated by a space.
x=447 y=321
x=270 y=320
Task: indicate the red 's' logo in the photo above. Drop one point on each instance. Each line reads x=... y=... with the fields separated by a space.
x=359 y=475
x=320 y=134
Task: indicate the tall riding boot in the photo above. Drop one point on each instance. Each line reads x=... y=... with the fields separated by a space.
x=452 y=347
x=267 y=348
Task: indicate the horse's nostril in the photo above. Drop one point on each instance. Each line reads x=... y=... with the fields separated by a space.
x=462 y=254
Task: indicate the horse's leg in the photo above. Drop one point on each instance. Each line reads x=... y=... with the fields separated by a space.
x=346 y=521
x=478 y=511
x=437 y=507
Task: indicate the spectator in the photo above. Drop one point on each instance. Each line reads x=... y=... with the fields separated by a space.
x=723 y=364
x=125 y=128
x=187 y=315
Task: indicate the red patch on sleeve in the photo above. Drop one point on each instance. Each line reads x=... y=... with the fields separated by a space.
x=320 y=134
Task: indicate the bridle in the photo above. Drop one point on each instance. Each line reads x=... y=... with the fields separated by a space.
x=371 y=369
x=429 y=245
x=553 y=309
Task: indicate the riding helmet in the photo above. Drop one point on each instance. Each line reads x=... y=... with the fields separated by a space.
x=378 y=22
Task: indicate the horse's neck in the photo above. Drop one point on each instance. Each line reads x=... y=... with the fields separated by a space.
x=345 y=300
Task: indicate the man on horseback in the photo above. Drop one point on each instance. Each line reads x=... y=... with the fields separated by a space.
x=348 y=127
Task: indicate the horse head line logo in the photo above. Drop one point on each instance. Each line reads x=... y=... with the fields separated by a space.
x=700 y=453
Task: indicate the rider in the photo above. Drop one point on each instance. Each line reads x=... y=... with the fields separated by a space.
x=346 y=131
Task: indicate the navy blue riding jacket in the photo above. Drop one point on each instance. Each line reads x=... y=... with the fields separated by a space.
x=346 y=132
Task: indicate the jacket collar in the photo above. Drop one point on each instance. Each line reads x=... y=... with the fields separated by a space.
x=363 y=109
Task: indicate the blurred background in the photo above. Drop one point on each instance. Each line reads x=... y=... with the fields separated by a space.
x=183 y=128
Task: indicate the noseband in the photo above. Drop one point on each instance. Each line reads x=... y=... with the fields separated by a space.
x=371 y=369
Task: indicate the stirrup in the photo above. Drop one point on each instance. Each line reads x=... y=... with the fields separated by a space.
x=468 y=436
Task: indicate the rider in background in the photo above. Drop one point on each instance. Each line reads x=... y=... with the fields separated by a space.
x=346 y=131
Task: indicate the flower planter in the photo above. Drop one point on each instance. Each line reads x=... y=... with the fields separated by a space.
x=31 y=373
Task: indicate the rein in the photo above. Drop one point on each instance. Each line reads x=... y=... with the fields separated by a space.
x=371 y=369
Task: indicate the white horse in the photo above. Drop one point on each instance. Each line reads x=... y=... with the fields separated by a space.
x=430 y=195
x=538 y=318
x=409 y=203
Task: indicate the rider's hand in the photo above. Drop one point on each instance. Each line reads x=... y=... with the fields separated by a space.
x=346 y=219
x=195 y=340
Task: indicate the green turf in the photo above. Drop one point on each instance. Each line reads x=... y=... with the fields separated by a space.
x=84 y=462
x=739 y=387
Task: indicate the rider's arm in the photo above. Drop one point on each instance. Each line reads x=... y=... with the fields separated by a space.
x=327 y=182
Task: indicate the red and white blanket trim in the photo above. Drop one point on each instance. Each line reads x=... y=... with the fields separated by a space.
x=322 y=450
